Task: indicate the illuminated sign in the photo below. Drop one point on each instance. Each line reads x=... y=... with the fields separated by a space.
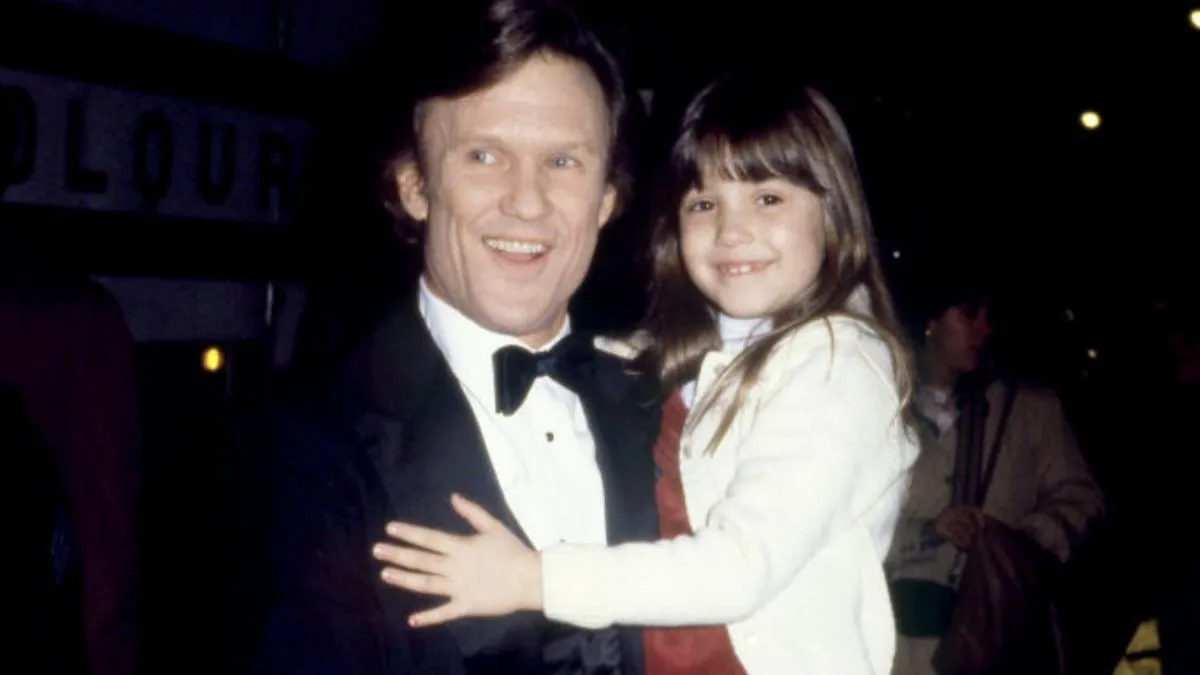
x=77 y=145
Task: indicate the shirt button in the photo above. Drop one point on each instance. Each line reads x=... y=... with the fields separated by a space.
x=549 y=436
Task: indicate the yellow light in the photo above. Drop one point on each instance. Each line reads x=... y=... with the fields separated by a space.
x=1194 y=18
x=1140 y=657
x=1093 y=354
x=1090 y=120
x=213 y=359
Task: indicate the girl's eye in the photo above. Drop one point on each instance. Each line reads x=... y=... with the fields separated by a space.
x=563 y=162
x=700 y=205
x=769 y=200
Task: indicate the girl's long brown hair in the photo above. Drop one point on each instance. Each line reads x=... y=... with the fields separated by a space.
x=742 y=129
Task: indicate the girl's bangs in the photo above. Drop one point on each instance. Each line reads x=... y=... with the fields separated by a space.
x=746 y=158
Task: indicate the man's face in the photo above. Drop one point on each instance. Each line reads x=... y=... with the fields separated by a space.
x=513 y=195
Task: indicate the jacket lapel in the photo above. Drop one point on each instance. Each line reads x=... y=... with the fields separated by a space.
x=419 y=431
x=417 y=427
x=623 y=410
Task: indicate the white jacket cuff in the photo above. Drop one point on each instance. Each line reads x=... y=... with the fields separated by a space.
x=567 y=599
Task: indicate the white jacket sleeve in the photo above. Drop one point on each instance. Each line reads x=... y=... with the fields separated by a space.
x=825 y=445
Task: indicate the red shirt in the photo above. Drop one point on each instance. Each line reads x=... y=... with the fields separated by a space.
x=681 y=651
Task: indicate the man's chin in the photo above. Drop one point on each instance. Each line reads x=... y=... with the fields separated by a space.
x=534 y=330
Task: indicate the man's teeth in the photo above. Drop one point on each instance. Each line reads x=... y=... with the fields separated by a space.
x=511 y=246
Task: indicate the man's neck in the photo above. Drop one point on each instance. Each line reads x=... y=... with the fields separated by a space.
x=534 y=340
x=541 y=338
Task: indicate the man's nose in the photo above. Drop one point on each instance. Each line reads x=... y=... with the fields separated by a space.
x=526 y=198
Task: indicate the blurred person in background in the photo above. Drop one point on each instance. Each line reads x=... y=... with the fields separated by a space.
x=1001 y=498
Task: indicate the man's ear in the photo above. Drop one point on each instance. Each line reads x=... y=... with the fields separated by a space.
x=608 y=204
x=410 y=187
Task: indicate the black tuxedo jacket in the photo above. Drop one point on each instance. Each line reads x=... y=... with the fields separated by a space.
x=389 y=436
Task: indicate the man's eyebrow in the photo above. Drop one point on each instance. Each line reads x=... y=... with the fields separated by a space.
x=580 y=147
x=475 y=140
x=492 y=140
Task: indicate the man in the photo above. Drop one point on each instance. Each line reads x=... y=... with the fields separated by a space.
x=508 y=167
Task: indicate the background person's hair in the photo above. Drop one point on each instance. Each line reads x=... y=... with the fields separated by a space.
x=943 y=286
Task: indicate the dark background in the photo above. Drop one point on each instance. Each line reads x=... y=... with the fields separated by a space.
x=966 y=121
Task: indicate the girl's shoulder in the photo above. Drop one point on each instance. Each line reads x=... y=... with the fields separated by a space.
x=833 y=331
x=835 y=342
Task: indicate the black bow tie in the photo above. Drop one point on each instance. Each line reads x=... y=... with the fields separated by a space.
x=516 y=368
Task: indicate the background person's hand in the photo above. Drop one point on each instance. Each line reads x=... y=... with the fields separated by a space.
x=960 y=525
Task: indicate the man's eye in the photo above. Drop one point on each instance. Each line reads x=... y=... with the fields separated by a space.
x=483 y=157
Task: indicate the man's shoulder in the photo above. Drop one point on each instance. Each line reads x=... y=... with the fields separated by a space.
x=300 y=407
x=624 y=372
x=628 y=346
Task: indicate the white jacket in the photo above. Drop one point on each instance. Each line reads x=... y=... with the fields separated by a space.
x=793 y=515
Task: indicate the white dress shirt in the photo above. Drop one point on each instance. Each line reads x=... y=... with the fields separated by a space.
x=543 y=455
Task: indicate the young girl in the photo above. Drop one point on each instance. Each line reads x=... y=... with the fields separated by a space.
x=772 y=322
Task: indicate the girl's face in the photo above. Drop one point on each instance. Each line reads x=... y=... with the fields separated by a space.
x=752 y=248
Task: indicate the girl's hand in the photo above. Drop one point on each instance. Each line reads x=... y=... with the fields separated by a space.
x=490 y=573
